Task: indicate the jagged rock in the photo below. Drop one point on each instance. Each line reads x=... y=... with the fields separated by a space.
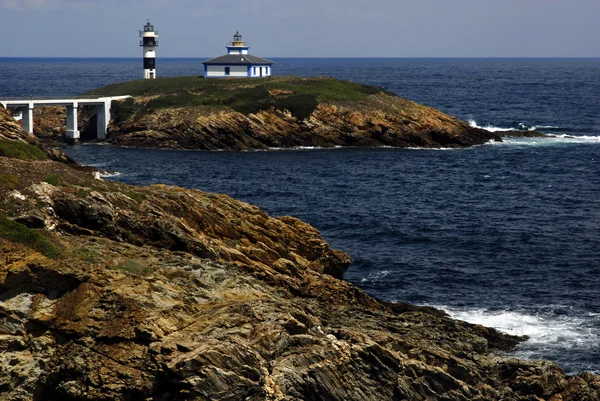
x=386 y=121
x=12 y=130
x=161 y=293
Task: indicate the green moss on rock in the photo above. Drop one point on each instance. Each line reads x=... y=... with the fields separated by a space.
x=133 y=267
x=54 y=179
x=16 y=232
x=9 y=181
x=20 y=150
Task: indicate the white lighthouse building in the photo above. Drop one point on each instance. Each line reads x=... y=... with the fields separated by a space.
x=237 y=62
x=149 y=43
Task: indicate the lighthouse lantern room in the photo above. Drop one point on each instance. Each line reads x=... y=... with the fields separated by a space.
x=149 y=43
x=238 y=46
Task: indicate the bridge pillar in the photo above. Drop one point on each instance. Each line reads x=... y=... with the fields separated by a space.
x=27 y=119
x=102 y=119
x=72 y=131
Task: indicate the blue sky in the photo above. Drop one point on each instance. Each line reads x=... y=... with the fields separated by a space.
x=304 y=28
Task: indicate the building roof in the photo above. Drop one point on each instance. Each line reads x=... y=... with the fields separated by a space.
x=238 y=59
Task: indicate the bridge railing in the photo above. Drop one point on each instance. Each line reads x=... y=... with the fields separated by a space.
x=32 y=97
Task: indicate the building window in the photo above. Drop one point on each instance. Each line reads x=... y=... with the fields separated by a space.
x=254 y=73
x=227 y=70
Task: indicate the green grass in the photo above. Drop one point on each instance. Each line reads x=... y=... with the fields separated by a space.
x=20 y=150
x=244 y=95
x=135 y=268
x=9 y=181
x=135 y=196
x=86 y=254
x=13 y=231
x=54 y=179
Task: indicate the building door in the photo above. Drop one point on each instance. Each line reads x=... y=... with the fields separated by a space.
x=151 y=75
x=261 y=73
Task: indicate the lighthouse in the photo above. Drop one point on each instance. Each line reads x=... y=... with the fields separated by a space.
x=149 y=44
x=237 y=63
x=237 y=46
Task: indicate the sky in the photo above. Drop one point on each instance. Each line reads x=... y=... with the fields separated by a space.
x=303 y=28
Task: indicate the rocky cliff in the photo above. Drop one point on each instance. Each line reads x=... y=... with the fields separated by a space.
x=238 y=114
x=115 y=292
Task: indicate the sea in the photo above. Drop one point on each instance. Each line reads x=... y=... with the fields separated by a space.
x=505 y=234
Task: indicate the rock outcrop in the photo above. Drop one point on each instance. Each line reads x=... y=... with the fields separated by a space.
x=282 y=112
x=11 y=130
x=115 y=292
x=387 y=121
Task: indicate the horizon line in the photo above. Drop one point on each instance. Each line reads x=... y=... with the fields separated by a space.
x=308 y=57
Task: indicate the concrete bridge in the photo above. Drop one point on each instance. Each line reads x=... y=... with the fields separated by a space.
x=25 y=106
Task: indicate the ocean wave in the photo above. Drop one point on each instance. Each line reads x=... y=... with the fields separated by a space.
x=489 y=127
x=110 y=174
x=549 y=332
x=375 y=276
x=525 y=127
x=304 y=148
x=549 y=140
x=418 y=148
x=103 y=164
x=520 y=127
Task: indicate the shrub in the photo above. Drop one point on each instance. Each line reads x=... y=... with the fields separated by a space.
x=9 y=181
x=20 y=150
x=54 y=179
x=243 y=95
x=133 y=267
x=16 y=232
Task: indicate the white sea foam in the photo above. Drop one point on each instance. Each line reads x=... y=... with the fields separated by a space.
x=550 y=140
x=97 y=144
x=554 y=139
x=490 y=128
x=375 y=276
x=305 y=148
x=562 y=333
x=538 y=328
x=109 y=174
x=522 y=127
x=538 y=127
x=428 y=149
x=525 y=127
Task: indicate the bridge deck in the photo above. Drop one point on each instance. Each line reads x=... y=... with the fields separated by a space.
x=26 y=106
x=58 y=101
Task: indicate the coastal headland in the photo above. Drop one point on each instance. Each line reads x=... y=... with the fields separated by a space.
x=116 y=292
x=278 y=112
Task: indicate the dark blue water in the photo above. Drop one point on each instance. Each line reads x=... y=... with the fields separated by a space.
x=504 y=234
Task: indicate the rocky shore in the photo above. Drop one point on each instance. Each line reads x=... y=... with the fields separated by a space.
x=115 y=292
x=282 y=112
x=279 y=112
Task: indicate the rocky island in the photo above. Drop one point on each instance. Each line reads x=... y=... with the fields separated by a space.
x=278 y=112
x=116 y=292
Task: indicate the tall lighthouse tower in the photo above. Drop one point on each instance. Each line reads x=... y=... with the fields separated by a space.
x=149 y=44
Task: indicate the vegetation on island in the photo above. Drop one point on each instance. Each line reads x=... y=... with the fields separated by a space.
x=275 y=112
x=298 y=95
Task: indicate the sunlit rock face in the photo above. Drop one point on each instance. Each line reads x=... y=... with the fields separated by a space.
x=115 y=292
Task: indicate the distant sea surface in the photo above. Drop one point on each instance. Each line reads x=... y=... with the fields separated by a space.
x=505 y=234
